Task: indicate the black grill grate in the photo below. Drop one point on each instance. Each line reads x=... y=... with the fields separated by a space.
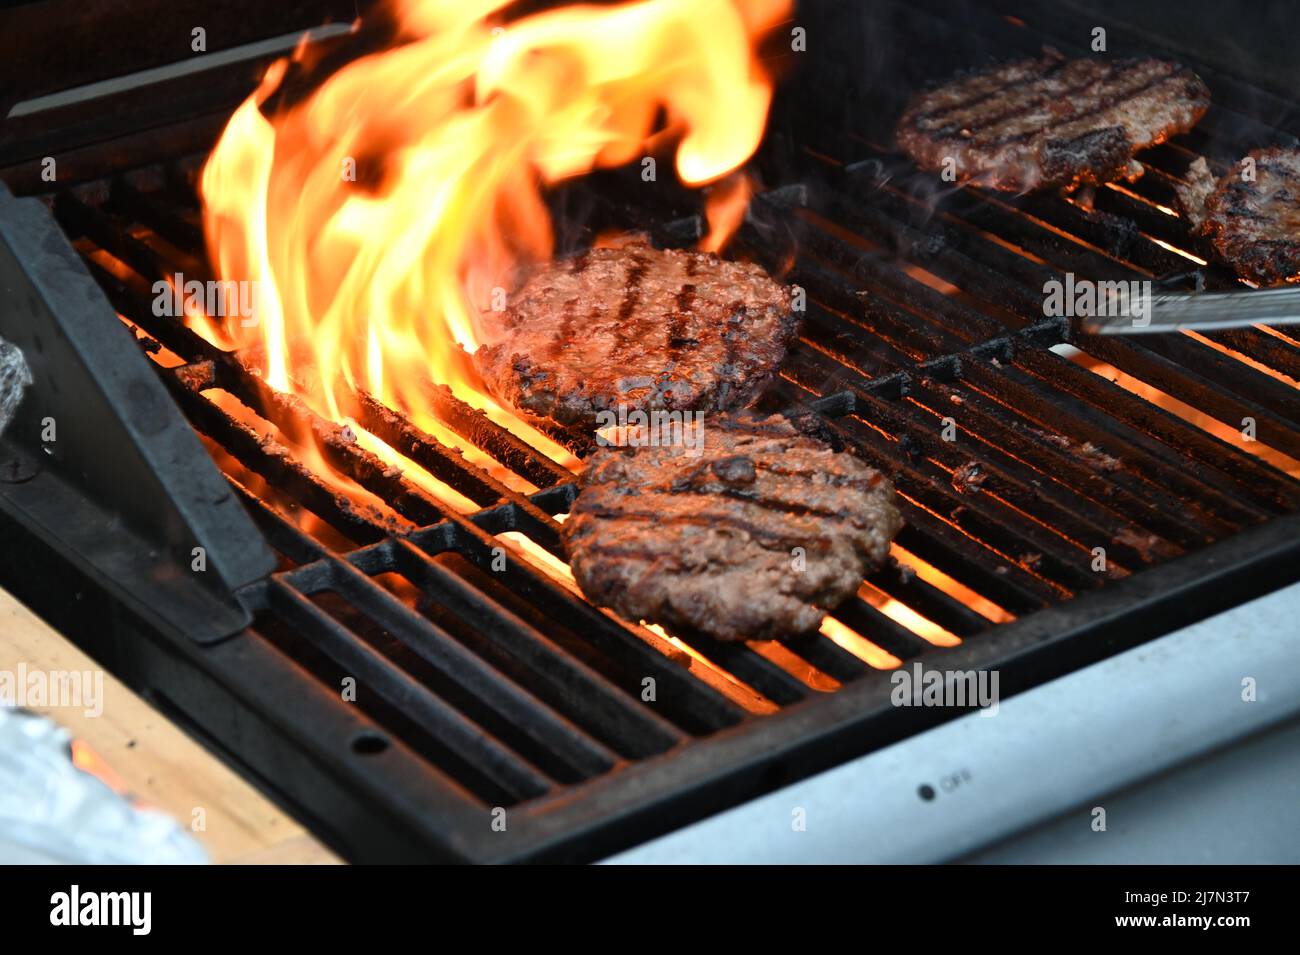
x=479 y=689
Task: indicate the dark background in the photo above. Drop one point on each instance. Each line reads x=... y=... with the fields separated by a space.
x=1253 y=40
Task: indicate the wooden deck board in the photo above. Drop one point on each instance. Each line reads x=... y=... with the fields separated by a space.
x=155 y=761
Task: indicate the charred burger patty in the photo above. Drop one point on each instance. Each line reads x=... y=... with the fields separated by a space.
x=1051 y=122
x=639 y=327
x=755 y=537
x=1253 y=222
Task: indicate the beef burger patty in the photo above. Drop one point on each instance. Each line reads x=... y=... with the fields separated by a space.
x=757 y=537
x=1035 y=124
x=1253 y=224
x=639 y=327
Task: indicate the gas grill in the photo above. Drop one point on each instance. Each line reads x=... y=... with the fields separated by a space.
x=375 y=666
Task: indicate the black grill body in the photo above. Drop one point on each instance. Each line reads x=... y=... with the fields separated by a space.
x=486 y=695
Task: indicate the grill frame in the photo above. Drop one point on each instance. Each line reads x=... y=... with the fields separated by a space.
x=379 y=806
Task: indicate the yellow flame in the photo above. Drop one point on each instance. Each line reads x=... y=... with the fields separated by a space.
x=382 y=214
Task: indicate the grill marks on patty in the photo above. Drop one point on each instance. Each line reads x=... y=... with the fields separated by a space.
x=627 y=346
x=1254 y=225
x=705 y=543
x=566 y=331
x=676 y=326
x=637 y=326
x=1039 y=123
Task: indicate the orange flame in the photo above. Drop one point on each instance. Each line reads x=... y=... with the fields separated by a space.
x=724 y=210
x=382 y=215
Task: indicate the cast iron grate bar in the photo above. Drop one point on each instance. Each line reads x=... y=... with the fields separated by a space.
x=552 y=734
x=508 y=772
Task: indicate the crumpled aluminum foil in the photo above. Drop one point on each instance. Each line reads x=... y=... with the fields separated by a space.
x=51 y=811
x=15 y=378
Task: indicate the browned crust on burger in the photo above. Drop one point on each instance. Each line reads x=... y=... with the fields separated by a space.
x=639 y=327
x=1254 y=224
x=712 y=543
x=1197 y=184
x=1051 y=122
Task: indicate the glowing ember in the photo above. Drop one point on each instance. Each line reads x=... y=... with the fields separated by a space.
x=899 y=612
x=954 y=588
x=383 y=214
x=860 y=647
